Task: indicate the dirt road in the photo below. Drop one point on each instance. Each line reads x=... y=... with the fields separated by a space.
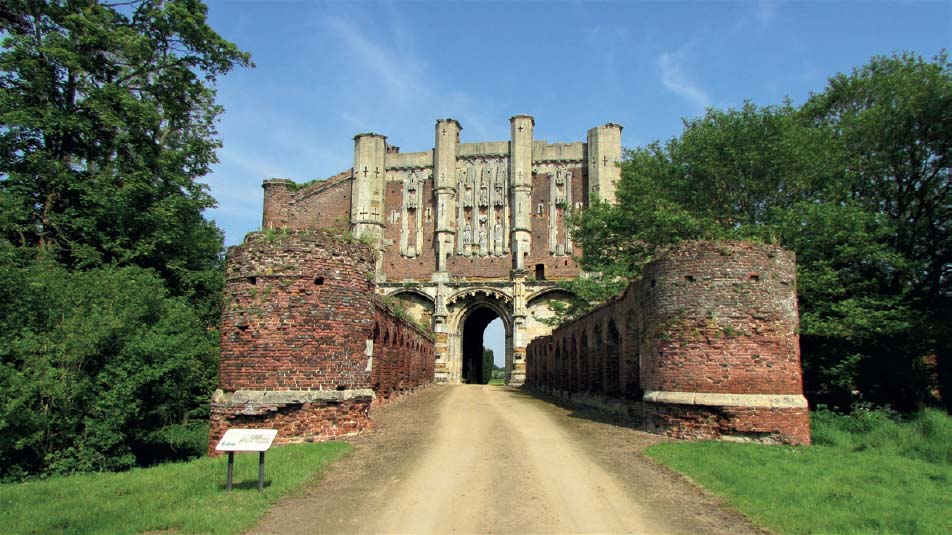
x=485 y=459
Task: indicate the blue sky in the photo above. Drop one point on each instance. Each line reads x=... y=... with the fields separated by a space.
x=328 y=70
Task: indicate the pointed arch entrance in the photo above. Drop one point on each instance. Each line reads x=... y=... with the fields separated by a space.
x=469 y=317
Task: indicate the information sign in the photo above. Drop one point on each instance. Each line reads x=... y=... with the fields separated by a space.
x=247 y=440
x=237 y=440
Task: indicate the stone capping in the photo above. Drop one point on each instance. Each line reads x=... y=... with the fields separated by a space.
x=765 y=401
x=450 y=120
x=299 y=396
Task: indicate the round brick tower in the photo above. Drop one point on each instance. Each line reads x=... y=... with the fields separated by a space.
x=720 y=353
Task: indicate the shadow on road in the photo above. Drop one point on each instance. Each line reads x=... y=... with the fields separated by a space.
x=580 y=411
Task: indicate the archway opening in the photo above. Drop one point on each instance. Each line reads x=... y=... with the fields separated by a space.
x=477 y=368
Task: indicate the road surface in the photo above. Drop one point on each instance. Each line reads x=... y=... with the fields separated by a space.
x=492 y=459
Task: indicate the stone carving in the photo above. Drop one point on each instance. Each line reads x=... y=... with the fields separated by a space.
x=412 y=192
x=497 y=231
x=468 y=235
x=482 y=237
x=483 y=196
x=468 y=196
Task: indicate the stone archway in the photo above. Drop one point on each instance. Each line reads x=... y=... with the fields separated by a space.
x=468 y=319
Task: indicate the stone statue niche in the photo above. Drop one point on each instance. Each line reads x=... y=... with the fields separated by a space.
x=412 y=192
x=484 y=179
x=470 y=183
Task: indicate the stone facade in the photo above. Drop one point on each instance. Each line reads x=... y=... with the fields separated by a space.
x=306 y=345
x=465 y=232
x=704 y=345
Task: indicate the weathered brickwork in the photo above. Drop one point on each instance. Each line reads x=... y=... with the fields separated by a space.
x=403 y=356
x=704 y=345
x=306 y=345
x=484 y=218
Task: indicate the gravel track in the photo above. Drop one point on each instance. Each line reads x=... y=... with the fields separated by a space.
x=491 y=459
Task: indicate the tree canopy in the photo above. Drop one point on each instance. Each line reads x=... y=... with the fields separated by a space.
x=855 y=181
x=107 y=125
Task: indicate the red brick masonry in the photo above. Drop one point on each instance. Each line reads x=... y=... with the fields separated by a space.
x=306 y=346
x=704 y=345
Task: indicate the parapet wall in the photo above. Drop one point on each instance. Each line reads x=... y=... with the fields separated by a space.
x=306 y=346
x=704 y=345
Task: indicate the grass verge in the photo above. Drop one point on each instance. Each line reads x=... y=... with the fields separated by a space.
x=176 y=498
x=866 y=473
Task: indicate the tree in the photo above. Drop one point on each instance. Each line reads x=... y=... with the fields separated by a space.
x=856 y=182
x=488 y=365
x=108 y=122
x=894 y=119
x=98 y=368
x=112 y=276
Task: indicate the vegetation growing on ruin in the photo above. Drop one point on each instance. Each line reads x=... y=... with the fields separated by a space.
x=174 y=498
x=856 y=181
x=399 y=310
x=872 y=471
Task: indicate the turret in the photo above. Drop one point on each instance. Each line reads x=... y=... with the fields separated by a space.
x=367 y=193
x=604 y=154
x=444 y=180
x=277 y=200
x=520 y=173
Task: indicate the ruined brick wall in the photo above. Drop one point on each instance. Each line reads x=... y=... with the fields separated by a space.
x=704 y=345
x=403 y=356
x=326 y=205
x=298 y=338
x=323 y=204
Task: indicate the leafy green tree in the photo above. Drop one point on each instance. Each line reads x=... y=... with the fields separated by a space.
x=107 y=121
x=893 y=118
x=488 y=365
x=111 y=276
x=856 y=181
x=97 y=366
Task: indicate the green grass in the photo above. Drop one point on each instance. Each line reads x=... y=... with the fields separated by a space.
x=865 y=474
x=177 y=498
x=497 y=382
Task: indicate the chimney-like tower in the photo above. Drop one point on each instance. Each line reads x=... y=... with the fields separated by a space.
x=367 y=189
x=444 y=190
x=604 y=154
x=520 y=176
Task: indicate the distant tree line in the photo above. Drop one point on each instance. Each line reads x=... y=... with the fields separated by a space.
x=110 y=276
x=855 y=181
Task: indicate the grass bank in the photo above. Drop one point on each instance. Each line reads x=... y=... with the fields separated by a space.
x=866 y=473
x=178 y=497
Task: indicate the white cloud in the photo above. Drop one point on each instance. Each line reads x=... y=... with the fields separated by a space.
x=390 y=87
x=399 y=76
x=675 y=80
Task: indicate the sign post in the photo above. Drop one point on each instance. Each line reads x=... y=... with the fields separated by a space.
x=246 y=440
